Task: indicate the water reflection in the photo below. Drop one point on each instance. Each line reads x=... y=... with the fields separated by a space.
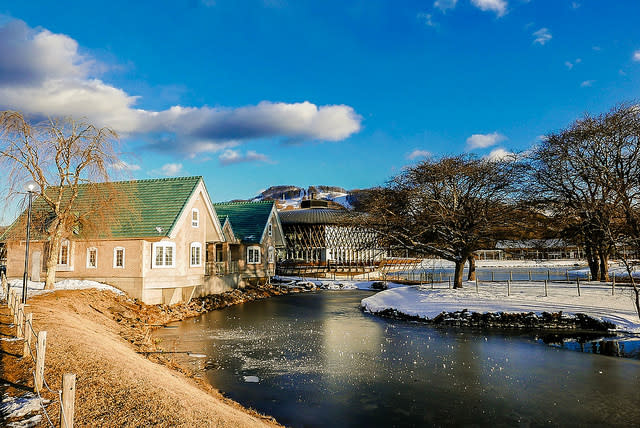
x=316 y=360
x=625 y=346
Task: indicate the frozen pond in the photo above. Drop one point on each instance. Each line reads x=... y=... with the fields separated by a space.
x=315 y=359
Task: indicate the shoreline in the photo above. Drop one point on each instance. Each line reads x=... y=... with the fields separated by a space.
x=550 y=322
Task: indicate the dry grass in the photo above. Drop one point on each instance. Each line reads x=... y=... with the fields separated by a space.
x=96 y=335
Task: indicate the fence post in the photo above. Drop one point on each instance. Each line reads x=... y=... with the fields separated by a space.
x=567 y=273
x=510 y=275
x=548 y=274
x=14 y=309
x=27 y=332
x=449 y=277
x=546 y=288
x=613 y=285
x=508 y=287
x=476 y=284
x=68 y=400
x=578 y=283
x=40 y=351
x=20 y=323
x=492 y=276
x=529 y=276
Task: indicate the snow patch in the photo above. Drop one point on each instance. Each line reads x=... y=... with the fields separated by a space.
x=595 y=301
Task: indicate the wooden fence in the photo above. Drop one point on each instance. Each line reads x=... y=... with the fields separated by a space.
x=25 y=330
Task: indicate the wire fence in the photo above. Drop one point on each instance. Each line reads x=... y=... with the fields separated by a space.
x=27 y=333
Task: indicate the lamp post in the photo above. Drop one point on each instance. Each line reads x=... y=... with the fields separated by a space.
x=31 y=186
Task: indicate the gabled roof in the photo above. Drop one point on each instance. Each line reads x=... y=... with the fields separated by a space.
x=152 y=209
x=248 y=219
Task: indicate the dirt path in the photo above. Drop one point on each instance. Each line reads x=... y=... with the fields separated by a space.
x=97 y=336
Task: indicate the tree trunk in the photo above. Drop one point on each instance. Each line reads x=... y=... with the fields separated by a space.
x=52 y=260
x=472 y=267
x=604 y=266
x=592 y=260
x=457 y=279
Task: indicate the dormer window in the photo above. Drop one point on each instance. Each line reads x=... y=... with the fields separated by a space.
x=195 y=218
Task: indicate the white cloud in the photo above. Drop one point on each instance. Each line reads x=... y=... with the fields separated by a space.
x=542 y=36
x=426 y=19
x=497 y=6
x=575 y=4
x=230 y=156
x=169 y=170
x=499 y=154
x=570 y=64
x=587 y=83
x=417 y=153
x=43 y=74
x=444 y=5
x=125 y=166
x=481 y=141
x=636 y=55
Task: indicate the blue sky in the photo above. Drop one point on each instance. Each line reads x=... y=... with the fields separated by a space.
x=256 y=93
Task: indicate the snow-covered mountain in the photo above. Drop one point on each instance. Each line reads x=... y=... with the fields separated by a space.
x=290 y=197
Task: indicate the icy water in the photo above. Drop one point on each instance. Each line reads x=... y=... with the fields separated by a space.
x=315 y=360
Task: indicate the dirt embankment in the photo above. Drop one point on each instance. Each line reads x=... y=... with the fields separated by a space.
x=98 y=336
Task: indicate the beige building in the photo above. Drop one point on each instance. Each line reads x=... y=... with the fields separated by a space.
x=160 y=254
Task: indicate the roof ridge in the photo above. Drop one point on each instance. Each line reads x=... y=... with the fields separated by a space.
x=144 y=180
x=243 y=202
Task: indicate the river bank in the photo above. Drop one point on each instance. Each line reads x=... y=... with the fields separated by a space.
x=104 y=338
x=593 y=306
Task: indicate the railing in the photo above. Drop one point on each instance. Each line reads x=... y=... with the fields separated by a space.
x=221 y=268
x=25 y=331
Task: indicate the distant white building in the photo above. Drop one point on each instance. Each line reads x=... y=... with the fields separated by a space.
x=532 y=249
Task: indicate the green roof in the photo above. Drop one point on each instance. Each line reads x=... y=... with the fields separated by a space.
x=248 y=219
x=150 y=208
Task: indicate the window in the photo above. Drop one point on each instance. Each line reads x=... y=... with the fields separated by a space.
x=163 y=255
x=195 y=217
x=271 y=255
x=63 y=256
x=118 y=257
x=196 y=254
x=270 y=229
x=253 y=255
x=92 y=258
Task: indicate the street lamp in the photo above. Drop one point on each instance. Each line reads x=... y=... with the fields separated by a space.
x=30 y=187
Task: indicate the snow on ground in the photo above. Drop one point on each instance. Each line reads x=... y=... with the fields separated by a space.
x=446 y=264
x=35 y=288
x=617 y=271
x=595 y=301
x=330 y=284
x=19 y=407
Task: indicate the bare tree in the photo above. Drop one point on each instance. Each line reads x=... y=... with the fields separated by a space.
x=65 y=158
x=573 y=180
x=449 y=207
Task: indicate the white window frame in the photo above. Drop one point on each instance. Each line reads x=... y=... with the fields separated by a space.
x=64 y=243
x=271 y=252
x=195 y=222
x=251 y=254
x=193 y=246
x=270 y=229
x=164 y=245
x=115 y=257
x=89 y=250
